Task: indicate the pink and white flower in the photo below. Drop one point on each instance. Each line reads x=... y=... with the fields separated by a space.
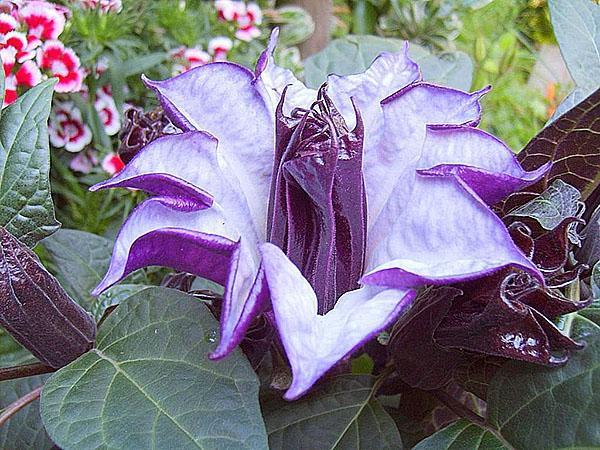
x=219 y=47
x=105 y=6
x=247 y=23
x=7 y=23
x=63 y=63
x=67 y=129
x=229 y=10
x=29 y=74
x=112 y=163
x=107 y=111
x=44 y=20
x=84 y=161
x=188 y=58
x=10 y=90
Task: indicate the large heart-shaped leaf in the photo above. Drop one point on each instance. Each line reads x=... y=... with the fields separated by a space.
x=536 y=407
x=462 y=435
x=354 y=54
x=149 y=383
x=24 y=430
x=79 y=261
x=572 y=144
x=26 y=208
x=341 y=414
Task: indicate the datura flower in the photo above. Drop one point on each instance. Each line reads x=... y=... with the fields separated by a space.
x=324 y=209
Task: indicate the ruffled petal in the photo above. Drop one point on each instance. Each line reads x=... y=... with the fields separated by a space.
x=315 y=343
x=387 y=74
x=275 y=79
x=389 y=167
x=198 y=242
x=222 y=99
x=186 y=172
x=479 y=159
x=443 y=234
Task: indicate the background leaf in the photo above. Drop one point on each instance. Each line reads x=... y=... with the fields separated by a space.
x=79 y=261
x=577 y=28
x=26 y=208
x=459 y=436
x=537 y=407
x=354 y=54
x=25 y=429
x=149 y=383
x=339 y=414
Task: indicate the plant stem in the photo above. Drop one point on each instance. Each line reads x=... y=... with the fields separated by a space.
x=574 y=293
x=19 y=404
x=27 y=370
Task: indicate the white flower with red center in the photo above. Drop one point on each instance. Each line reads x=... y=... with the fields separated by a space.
x=188 y=58
x=28 y=74
x=112 y=163
x=62 y=63
x=219 y=47
x=107 y=111
x=247 y=23
x=105 y=6
x=67 y=129
x=229 y=10
x=7 y=23
x=44 y=20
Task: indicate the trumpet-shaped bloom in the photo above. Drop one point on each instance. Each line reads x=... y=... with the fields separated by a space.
x=327 y=208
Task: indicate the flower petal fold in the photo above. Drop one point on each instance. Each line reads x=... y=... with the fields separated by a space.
x=443 y=234
x=275 y=79
x=389 y=166
x=198 y=242
x=314 y=343
x=477 y=158
x=222 y=99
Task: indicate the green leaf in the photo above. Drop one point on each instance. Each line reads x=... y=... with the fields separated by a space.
x=295 y=25
x=114 y=296
x=11 y=353
x=354 y=54
x=26 y=208
x=135 y=66
x=24 y=430
x=341 y=414
x=576 y=25
x=149 y=383
x=79 y=261
x=461 y=435
x=558 y=202
x=538 y=407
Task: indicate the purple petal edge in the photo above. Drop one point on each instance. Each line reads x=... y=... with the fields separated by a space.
x=206 y=255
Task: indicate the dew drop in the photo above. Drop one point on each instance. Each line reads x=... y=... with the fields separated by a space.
x=383 y=338
x=211 y=336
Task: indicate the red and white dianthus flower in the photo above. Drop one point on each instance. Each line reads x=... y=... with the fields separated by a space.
x=104 y=6
x=219 y=47
x=107 y=111
x=62 y=63
x=44 y=20
x=188 y=58
x=67 y=129
x=112 y=163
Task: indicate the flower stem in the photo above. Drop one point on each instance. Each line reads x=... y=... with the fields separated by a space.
x=573 y=292
x=27 y=370
x=19 y=404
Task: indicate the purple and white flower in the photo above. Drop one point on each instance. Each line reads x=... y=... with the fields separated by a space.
x=324 y=210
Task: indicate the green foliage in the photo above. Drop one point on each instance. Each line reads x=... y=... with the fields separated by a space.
x=341 y=414
x=561 y=405
x=149 y=383
x=26 y=208
x=461 y=435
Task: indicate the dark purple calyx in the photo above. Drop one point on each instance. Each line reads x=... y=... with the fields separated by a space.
x=317 y=210
x=37 y=311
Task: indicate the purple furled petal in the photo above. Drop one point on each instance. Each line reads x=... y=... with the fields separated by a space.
x=389 y=166
x=155 y=234
x=275 y=79
x=222 y=99
x=318 y=204
x=479 y=159
x=387 y=74
x=444 y=234
x=314 y=343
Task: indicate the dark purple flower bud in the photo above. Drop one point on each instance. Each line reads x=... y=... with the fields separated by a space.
x=318 y=208
x=36 y=310
x=141 y=128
